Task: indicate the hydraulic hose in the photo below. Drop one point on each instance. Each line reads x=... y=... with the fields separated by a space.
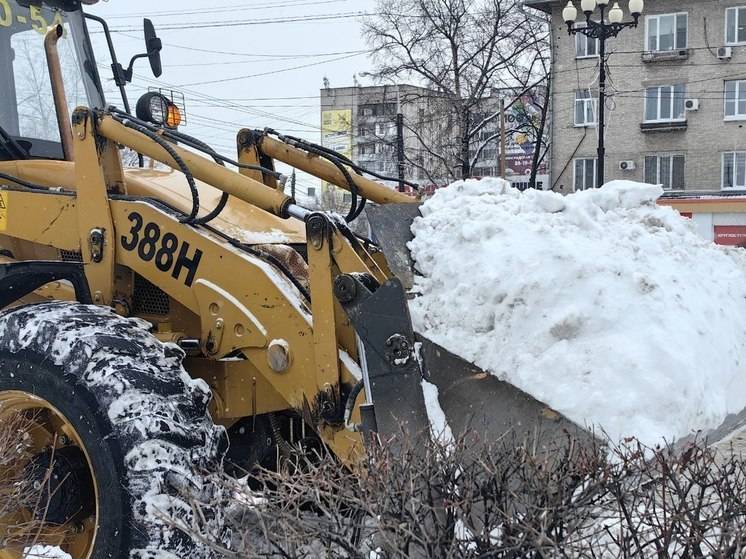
x=350 y=405
x=129 y=123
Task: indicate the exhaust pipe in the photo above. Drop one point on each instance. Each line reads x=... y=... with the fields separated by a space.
x=58 y=89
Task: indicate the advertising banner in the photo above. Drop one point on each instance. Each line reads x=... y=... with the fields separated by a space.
x=522 y=119
x=730 y=235
x=336 y=132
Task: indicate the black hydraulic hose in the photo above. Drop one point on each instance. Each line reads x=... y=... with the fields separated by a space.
x=357 y=168
x=216 y=211
x=203 y=147
x=21 y=182
x=196 y=144
x=12 y=145
x=286 y=449
x=129 y=123
x=355 y=209
x=223 y=198
x=350 y=404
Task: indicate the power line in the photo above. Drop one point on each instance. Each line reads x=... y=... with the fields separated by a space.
x=740 y=75
x=271 y=72
x=241 y=54
x=228 y=8
x=269 y=58
x=222 y=24
x=226 y=105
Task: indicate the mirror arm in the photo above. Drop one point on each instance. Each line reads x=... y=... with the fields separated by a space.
x=119 y=73
x=128 y=72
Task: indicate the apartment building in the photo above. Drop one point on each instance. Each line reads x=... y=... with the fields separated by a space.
x=676 y=113
x=360 y=122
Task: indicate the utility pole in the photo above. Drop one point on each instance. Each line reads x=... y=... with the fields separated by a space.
x=503 y=135
x=400 y=149
x=292 y=185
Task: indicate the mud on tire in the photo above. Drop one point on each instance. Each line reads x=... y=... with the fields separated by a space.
x=142 y=418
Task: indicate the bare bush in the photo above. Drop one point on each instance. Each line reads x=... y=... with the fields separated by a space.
x=504 y=500
x=22 y=499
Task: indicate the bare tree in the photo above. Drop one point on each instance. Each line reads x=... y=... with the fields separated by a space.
x=463 y=51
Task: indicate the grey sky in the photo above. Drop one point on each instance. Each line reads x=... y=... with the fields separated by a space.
x=281 y=46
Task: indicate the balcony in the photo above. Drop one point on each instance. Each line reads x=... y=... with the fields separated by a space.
x=666 y=126
x=651 y=57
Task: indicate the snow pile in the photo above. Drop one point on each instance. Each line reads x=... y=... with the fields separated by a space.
x=44 y=552
x=602 y=304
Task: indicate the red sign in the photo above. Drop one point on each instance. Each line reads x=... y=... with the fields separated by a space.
x=731 y=235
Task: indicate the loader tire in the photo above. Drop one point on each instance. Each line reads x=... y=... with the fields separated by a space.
x=141 y=420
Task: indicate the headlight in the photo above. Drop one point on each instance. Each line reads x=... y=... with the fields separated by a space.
x=158 y=109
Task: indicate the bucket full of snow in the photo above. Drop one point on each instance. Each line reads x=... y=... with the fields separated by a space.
x=458 y=396
x=606 y=307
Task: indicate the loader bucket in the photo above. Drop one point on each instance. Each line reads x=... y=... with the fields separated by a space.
x=474 y=402
x=480 y=405
x=391 y=228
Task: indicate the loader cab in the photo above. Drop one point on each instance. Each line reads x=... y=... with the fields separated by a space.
x=27 y=112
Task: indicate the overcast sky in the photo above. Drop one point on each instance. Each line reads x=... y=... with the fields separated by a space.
x=325 y=39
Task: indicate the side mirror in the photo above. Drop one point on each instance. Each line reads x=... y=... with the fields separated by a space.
x=153 y=46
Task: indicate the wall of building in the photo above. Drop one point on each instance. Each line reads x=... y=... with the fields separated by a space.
x=372 y=126
x=706 y=135
x=361 y=123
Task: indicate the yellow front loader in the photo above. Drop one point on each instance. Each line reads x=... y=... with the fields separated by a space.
x=162 y=324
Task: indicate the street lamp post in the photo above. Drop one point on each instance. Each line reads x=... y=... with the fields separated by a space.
x=601 y=30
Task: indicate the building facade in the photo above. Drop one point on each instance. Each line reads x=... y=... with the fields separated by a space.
x=360 y=122
x=676 y=112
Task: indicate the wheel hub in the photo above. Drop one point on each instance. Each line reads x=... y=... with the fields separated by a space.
x=59 y=508
x=64 y=480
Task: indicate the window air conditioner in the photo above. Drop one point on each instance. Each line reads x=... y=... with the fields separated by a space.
x=725 y=53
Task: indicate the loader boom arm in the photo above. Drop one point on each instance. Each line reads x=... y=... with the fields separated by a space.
x=288 y=151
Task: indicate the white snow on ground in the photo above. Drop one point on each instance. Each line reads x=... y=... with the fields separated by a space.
x=438 y=422
x=44 y=552
x=602 y=304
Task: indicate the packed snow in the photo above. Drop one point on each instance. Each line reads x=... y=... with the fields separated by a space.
x=45 y=552
x=604 y=305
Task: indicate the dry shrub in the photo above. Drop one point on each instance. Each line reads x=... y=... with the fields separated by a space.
x=21 y=498
x=459 y=500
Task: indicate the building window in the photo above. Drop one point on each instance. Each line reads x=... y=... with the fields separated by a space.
x=585 y=174
x=735 y=100
x=311 y=191
x=585 y=108
x=734 y=169
x=665 y=103
x=666 y=170
x=667 y=32
x=585 y=47
x=385 y=128
x=735 y=26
